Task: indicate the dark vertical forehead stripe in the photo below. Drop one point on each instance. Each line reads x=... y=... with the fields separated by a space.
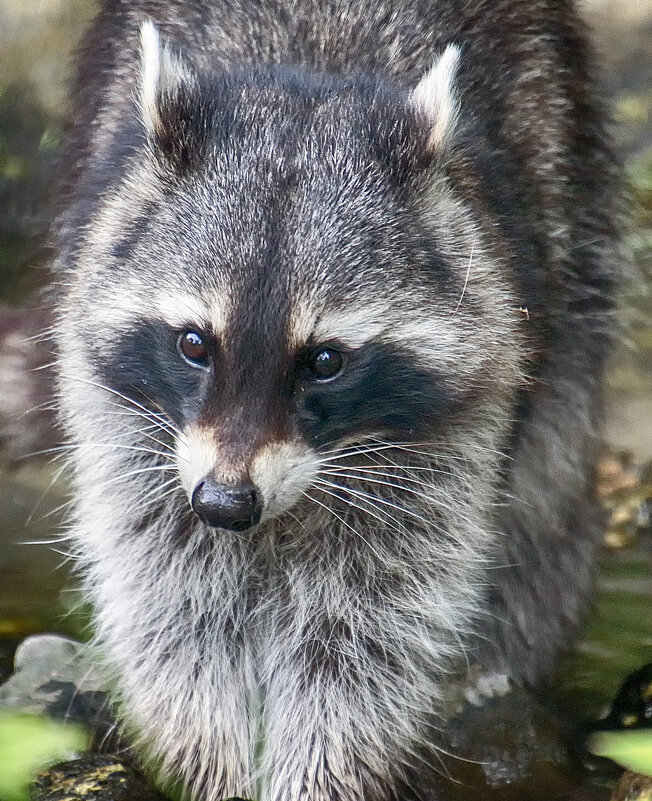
x=123 y=247
x=382 y=389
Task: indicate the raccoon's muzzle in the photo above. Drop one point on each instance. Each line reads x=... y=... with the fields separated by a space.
x=235 y=508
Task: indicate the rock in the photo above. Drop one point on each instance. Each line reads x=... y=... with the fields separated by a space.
x=502 y=744
x=55 y=676
x=92 y=778
x=633 y=787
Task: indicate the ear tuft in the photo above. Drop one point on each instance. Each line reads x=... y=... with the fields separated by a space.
x=162 y=73
x=435 y=98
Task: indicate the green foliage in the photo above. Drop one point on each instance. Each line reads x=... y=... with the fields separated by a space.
x=29 y=743
x=631 y=749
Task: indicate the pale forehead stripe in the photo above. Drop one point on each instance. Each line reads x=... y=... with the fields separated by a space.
x=353 y=327
x=179 y=309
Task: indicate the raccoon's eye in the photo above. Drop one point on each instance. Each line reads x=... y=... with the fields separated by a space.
x=191 y=346
x=325 y=364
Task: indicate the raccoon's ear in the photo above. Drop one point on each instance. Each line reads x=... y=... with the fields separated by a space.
x=163 y=73
x=434 y=97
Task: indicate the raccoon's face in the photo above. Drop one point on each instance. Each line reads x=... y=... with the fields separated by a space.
x=284 y=271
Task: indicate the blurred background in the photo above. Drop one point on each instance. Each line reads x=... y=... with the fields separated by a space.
x=37 y=40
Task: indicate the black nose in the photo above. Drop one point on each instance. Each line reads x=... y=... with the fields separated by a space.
x=235 y=508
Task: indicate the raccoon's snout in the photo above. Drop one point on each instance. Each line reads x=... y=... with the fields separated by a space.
x=235 y=508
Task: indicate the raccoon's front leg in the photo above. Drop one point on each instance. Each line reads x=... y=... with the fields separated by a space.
x=185 y=680
x=197 y=720
x=324 y=744
x=342 y=716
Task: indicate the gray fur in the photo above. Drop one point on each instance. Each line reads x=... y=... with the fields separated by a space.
x=304 y=659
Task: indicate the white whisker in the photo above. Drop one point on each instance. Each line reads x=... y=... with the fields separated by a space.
x=379 y=514
x=341 y=519
x=164 y=421
x=383 y=501
x=466 y=280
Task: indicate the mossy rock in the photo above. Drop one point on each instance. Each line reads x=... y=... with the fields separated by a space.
x=92 y=778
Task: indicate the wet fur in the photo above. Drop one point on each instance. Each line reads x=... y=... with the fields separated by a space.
x=304 y=659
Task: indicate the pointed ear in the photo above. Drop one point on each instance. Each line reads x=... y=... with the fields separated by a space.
x=162 y=73
x=434 y=97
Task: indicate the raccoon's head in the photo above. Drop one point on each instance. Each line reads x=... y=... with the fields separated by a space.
x=289 y=265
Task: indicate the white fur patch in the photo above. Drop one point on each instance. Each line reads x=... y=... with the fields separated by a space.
x=181 y=309
x=150 y=45
x=281 y=470
x=302 y=321
x=161 y=73
x=353 y=326
x=196 y=456
x=121 y=308
x=434 y=96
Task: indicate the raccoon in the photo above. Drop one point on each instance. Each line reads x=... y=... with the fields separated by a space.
x=336 y=288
